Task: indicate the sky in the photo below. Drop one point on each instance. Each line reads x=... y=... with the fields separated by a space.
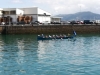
x=55 y=7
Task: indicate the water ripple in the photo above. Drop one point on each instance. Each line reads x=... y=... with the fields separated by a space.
x=24 y=55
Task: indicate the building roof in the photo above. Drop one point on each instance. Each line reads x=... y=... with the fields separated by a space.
x=29 y=10
x=56 y=17
x=35 y=10
x=1 y=9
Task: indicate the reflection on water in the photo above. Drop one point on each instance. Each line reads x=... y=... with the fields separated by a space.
x=1 y=49
x=21 y=53
x=24 y=55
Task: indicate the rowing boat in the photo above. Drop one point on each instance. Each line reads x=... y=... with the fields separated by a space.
x=48 y=37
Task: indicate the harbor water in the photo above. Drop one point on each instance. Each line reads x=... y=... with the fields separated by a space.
x=24 y=55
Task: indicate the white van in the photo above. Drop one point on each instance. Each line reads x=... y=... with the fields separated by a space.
x=45 y=23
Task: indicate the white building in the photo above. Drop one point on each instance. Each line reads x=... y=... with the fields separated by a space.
x=12 y=12
x=1 y=12
x=36 y=13
x=56 y=19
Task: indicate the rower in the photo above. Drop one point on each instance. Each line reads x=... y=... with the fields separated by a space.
x=38 y=35
x=64 y=35
x=53 y=36
x=49 y=36
x=68 y=34
x=60 y=35
x=42 y=36
x=46 y=36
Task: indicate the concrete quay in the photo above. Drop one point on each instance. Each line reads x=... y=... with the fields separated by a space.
x=49 y=29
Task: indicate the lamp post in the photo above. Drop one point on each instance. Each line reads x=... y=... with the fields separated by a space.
x=44 y=17
x=9 y=17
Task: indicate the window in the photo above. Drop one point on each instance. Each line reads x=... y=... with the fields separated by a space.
x=5 y=12
x=12 y=12
x=9 y=12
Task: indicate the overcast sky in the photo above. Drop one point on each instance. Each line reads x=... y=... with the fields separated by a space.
x=55 y=6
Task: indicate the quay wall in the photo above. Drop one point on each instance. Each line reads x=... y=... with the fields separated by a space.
x=49 y=29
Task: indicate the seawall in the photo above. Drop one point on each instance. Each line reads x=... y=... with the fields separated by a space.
x=49 y=29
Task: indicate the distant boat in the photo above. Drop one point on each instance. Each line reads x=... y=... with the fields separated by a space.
x=49 y=37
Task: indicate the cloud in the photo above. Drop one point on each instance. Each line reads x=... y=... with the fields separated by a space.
x=61 y=6
x=70 y=6
x=17 y=1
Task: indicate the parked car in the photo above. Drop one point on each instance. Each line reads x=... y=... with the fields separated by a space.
x=3 y=23
x=87 y=22
x=37 y=22
x=46 y=23
x=9 y=23
x=55 y=23
x=18 y=23
x=73 y=22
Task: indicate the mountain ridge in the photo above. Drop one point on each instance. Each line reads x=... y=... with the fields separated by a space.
x=87 y=15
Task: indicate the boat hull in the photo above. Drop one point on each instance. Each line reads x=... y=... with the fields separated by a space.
x=44 y=38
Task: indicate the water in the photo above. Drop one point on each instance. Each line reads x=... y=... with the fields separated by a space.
x=24 y=55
